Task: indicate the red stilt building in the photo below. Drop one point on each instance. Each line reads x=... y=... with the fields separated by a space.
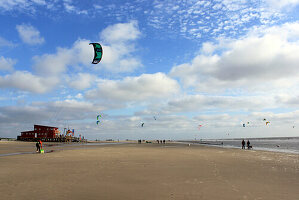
x=44 y=133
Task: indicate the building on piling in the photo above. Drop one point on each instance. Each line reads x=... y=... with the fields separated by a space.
x=44 y=133
x=49 y=134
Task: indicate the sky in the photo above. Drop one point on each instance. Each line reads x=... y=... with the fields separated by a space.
x=172 y=65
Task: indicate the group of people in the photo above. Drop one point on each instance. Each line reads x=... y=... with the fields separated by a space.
x=158 y=141
x=161 y=141
x=248 y=144
x=39 y=146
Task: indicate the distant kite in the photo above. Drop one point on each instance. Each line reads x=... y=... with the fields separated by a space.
x=142 y=124
x=267 y=123
x=264 y=119
x=243 y=125
x=98 y=53
x=98 y=122
x=199 y=126
x=98 y=116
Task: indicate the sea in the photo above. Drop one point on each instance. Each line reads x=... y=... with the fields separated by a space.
x=276 y=144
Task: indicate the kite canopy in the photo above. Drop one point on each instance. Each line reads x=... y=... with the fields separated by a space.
x=98 y=116
x=98 y=53
x=199 y=126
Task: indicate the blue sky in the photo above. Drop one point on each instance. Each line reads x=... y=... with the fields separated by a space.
x=215 y=63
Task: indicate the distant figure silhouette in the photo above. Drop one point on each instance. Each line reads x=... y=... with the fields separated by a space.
x=243 y=144
x=248 y=145
x=158 y=141
x=37 y=147
x=163 y=141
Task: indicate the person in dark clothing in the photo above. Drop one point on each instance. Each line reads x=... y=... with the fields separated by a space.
x=163 y=141
x=248 y=145
x=37 y=147
x=243 y=144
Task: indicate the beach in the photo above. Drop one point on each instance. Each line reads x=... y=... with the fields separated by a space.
x=146 y=171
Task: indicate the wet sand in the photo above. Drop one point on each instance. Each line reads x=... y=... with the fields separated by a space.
x=147 y=171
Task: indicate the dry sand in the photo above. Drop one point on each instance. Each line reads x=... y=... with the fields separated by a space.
x=147 y=171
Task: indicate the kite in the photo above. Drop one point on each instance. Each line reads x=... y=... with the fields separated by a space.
x=98 y=116
x=264 y=119
x=142 y=124
x=243 y=125
x=267 y=123
x=98 y=53
x=199 y=126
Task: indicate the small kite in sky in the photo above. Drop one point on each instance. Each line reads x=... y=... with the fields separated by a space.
x=199 y=126
x=243 y=125
x=98 y=116
x=98 y=53
x=142 y=124
x=267 y=123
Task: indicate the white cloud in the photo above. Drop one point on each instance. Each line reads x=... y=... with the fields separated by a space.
x=54 y=64
x=10 y=4
x=5 y=43
x=81 y=81
x=144 y=87
x=195 y=103
x=28 y=6
x=69 y=7
x=119 y=48
x=121 y=32
x=258 y=61
x=117 y=57
x=6 y=64
x=288 y=100
x=282 y=3
x=29 y=34
x=26 y=81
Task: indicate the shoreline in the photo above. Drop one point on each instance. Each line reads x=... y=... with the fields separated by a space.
x=56 y=146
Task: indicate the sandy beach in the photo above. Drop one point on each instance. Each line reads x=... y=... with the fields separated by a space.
x=146 y=171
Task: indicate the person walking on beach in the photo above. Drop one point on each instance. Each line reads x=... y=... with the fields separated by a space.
x=243 y=144
x=248 y=145
x=37 y=147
